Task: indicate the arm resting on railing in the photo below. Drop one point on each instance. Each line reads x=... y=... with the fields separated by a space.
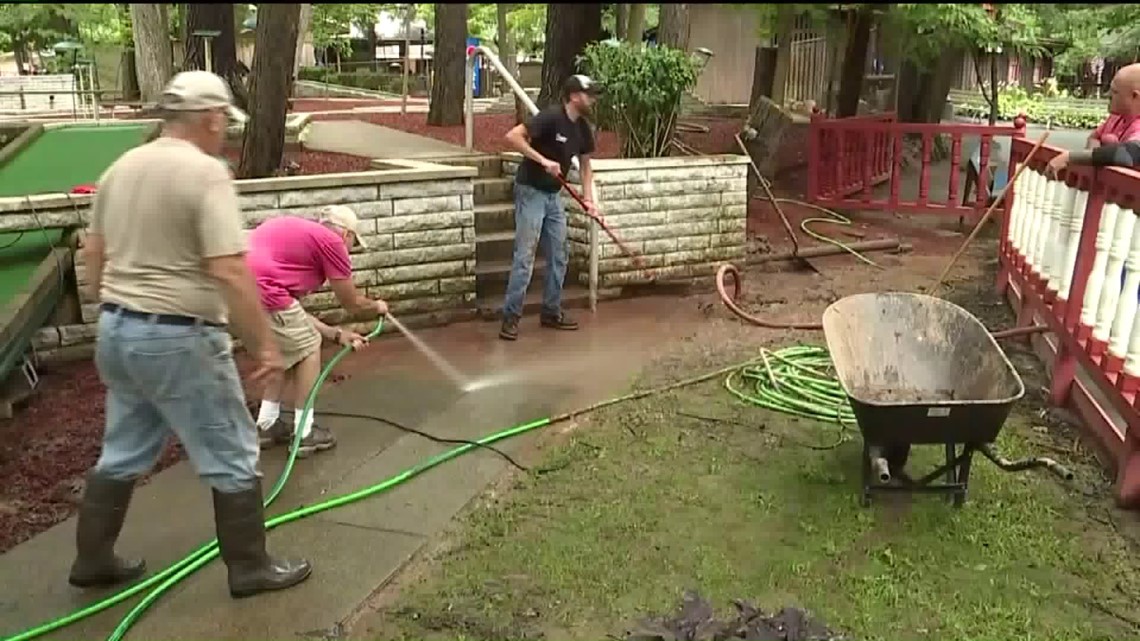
x=1122 y=154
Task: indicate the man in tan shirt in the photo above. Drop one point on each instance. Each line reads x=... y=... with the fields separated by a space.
x=165 y=253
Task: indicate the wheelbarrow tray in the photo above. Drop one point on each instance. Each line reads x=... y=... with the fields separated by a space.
x=919 y=369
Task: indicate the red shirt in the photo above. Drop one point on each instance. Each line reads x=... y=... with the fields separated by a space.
x=291 y=257
x=1116 y=129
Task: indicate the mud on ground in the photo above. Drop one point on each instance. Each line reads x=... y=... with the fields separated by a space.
x=692 y=491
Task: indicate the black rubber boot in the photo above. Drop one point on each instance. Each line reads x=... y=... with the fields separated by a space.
x=101 y=517
x=240 y=521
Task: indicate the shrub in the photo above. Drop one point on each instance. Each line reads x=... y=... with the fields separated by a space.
x=1038 y=108
x=363 y=79
x=643 y=86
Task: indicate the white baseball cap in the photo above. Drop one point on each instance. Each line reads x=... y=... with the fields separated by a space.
x=342 y=216
x=198 y=91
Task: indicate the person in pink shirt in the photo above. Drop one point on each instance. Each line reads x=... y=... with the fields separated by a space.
x=1123 y=122
x=291 y=257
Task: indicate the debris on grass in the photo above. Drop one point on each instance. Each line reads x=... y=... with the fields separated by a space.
x=696 y=621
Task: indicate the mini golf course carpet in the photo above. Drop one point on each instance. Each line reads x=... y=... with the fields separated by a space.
x=60 y=159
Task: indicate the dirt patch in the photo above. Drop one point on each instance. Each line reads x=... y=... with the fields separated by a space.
x=696 y=621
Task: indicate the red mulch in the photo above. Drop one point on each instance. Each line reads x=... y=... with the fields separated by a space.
x=490 y=129
x=307 y=163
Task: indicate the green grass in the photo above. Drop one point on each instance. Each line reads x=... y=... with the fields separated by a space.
x=654 y=502
x=20 y=255
x=63 y=158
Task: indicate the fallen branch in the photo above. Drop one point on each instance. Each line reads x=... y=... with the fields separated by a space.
x=885 y=244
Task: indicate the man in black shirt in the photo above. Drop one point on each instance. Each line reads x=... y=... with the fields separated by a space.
x=549 y=142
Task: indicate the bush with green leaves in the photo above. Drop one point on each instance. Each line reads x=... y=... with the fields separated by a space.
x=1038 y=108
x=643 y=87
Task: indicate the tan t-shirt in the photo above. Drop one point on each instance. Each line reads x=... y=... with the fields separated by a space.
x=162 y=208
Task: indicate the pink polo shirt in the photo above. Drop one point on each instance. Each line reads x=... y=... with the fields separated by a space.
x=1118 y=129
x=291 y=257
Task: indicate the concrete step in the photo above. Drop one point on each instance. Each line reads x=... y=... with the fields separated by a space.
x=491 y=276
x=495 y=217
x=573 y=297
x=493 y=190
x=489 y=165
x=493 y=247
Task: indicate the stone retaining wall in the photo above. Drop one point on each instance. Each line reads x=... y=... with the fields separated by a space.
x=417 y=218
x=684 y=215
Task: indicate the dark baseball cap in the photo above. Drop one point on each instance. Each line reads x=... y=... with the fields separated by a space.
x=580 y=83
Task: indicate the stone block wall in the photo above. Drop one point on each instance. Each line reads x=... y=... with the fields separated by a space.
x=63 y=101
x=417 y=218
x=685 y=216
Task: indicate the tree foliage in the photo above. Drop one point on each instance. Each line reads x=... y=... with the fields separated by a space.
x=643 y=87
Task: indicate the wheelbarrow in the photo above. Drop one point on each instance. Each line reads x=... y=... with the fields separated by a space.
x=920 y=370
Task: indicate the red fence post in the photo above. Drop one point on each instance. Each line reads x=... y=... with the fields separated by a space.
x=815 y=133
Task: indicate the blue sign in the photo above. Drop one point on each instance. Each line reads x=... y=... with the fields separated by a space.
x=477 y=76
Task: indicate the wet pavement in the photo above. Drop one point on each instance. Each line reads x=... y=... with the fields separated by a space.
x=358 y=547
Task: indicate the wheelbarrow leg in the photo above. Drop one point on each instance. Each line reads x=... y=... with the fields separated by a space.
x=951 y=470
x=964 y=476
x=865 y=500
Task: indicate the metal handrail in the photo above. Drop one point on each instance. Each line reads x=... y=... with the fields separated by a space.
x=469 y=133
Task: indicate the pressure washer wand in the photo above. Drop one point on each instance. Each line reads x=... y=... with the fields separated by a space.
x=637 y=258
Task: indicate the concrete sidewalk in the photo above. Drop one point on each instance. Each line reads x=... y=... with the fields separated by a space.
x=357 y=548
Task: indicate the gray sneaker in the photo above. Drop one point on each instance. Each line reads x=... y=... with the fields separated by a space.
x=281 y=432
x=318 y=440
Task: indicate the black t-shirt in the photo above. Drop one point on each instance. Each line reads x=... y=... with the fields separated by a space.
x=558 y=138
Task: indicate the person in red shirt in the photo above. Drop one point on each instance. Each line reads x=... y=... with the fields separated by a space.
x=1123 y=122
x=291 y=257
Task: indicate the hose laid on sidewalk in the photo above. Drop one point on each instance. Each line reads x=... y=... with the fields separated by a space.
x=175 y=573
x=165 y=579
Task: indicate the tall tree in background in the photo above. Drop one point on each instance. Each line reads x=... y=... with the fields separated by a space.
x=854 y=60
x=447 y=90
x=151 y=32
x=275 y=45
x=634 y=28
x=302 y=31
x=569 y=28
x=223 y=47
x=673 y=26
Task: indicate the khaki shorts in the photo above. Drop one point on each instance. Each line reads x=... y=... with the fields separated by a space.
x=296 y=335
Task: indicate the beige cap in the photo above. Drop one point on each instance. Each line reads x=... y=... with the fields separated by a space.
x=343 y=217
x=198 y=91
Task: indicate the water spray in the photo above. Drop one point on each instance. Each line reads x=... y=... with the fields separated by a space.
x=442 y=364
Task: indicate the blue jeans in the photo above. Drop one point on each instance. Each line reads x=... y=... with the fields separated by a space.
x=539 y=219
x=162 y=379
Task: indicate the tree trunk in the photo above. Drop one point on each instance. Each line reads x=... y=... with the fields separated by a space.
x=569 y=28
x=854 y=62
x=922 y=94
x=763 y=73
x=276 y=38
x=303 y=23
x=673 y=26
x=223 y=47
x=635 y=28
x=370 y=36
x=447 y=90
x=621 y=20
x=405 y=54
x=509 y=55
x=785 y=29
x=152 y=49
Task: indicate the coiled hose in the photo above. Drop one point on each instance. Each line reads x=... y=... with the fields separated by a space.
x=179 y=570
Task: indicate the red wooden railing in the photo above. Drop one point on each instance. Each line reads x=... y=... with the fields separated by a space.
x=1068 y=248
x=849 y=157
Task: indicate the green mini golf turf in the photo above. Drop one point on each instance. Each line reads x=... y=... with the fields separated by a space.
x=60 y=159
x=20 y=254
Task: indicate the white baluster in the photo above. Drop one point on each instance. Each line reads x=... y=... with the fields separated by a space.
x=1016 y=211
x=1110 y=292
x=1096 y=274
x=1029 y=195
x=1126 y=307
x=1059 y=235
x=1036 y=219
x=1076 y=225
x=1041 y=240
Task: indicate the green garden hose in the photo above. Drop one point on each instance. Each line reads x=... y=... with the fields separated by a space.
x=791 y=380
x=165 y=579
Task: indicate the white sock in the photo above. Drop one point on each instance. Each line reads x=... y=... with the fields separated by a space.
x=268 y=414
x=307 y=427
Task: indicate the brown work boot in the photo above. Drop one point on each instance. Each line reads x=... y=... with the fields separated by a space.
x=101 y=517
x=510 y=329
x=561 y=321
x=318 y=440
x=281 y=432
x=240 y=521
